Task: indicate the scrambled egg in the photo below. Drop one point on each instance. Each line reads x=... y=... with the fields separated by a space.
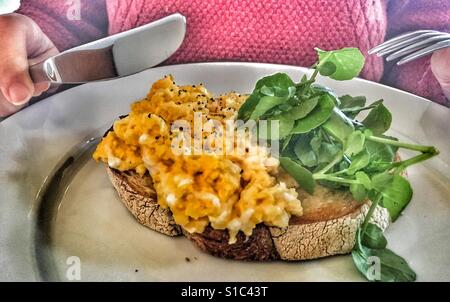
x=227 y=191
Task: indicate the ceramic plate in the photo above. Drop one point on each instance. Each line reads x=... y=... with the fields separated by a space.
x=57 y=205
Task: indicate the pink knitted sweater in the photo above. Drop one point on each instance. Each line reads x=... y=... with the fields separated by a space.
x=273 y=31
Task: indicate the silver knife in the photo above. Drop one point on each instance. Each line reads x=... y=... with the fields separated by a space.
x=115 y=56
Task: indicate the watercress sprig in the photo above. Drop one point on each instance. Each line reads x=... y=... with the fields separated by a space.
x=322 y=142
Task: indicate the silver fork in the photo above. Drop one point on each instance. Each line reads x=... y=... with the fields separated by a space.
x=412 y=45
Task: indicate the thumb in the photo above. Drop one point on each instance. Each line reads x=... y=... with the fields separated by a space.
x=20 y=89
x=16 y=84
x=15 y=81
x=440 y=65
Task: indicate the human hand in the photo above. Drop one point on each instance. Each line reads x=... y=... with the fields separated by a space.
x=22 y=44
x=440 y=65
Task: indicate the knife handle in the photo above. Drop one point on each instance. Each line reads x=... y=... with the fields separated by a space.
x=38 y=73
x=76 y=67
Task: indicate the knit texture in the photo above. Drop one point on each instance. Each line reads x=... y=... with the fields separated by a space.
x=271 y=31
x=52 y=17
x=409 y=15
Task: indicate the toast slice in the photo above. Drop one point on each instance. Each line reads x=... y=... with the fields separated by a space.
x=139 y=197
x=327 y=227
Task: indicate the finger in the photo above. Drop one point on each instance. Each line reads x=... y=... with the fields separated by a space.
x=39 y=88
x=440 y=65
x=20 y=37
x=15 y=82
x=6 y=108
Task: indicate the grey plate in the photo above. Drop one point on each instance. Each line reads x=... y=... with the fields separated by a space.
x=57 y=204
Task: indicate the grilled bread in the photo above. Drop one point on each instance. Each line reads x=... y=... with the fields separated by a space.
x=327 y=227
x=241 y=205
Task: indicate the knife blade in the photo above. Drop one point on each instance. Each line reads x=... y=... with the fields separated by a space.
x=115 y=56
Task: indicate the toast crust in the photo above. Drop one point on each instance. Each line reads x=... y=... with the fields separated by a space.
x=325 y=229
x=324 y=238
x=258 y=247
x=139 y=197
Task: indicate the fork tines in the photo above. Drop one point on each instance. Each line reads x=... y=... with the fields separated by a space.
x=412 y=45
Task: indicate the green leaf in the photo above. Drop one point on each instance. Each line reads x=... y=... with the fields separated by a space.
x=305 y=153
x=380 y=152
x=348 y=62
x=367 y=132
x=348 y=101
x=280 y=80
x=327 y=152
x=316 y=142
x=317 y=88
x=267 y=91
x=283 y=92
x=343 y=165
x=373 y=237
x=317 y=117
x=289 y=151
x=382 y=181
x=303 y=79
x=286 y=142
x=391 y=267
x=265 y=104
x=284 y=128
x=285 y=125
x=358 y=191
x=364 y=179
x=396 y=192
x=283 y=107
x=327 y=68
x=352 y=105
x=338 y=125
x=277 y=82
x=302 y=175
x=303 y=109
x=379 y=119
x=359 y=161
x=354 y=143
